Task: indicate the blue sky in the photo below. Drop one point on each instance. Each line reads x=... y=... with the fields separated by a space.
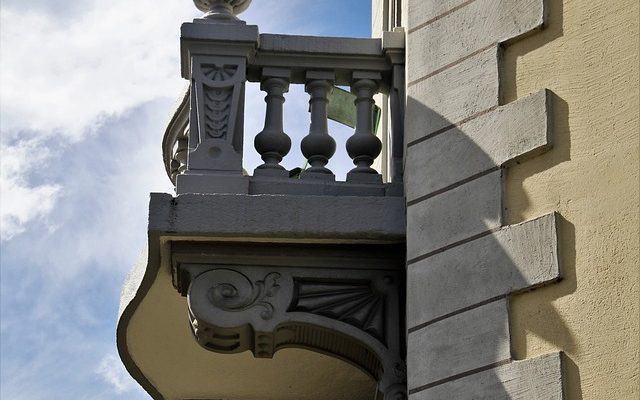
x=86 y=90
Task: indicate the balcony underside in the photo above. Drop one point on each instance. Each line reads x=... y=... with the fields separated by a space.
x=248 y=233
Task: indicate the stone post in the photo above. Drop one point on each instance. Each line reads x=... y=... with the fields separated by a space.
x=215 y=50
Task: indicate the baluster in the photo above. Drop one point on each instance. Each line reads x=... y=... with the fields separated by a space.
x=179 y=161
x=318 y=146
x=364 y=146
x=175 y=165
x=183 y=150
x=273 y=143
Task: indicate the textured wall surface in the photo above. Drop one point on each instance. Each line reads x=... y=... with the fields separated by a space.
x=543 y=94
x=588 y=56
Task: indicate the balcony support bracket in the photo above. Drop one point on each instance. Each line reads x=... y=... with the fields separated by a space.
x=336 y=304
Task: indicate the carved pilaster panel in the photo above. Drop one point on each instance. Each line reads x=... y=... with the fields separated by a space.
x=217 y=111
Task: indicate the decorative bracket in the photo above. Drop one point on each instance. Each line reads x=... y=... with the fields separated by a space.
x=354 y=313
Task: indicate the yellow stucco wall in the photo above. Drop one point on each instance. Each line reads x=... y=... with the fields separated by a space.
x=162 y=345
x=588 y=56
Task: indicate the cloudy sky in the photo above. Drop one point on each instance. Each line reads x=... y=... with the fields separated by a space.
x=87 y=87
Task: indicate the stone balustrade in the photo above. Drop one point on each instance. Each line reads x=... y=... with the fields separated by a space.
x=203 y=144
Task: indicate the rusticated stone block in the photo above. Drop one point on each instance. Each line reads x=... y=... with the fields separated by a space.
x=458 y=214
x=504 y=134
x=464 y=342
x=426 y=11
x=451 y=96
x=480 y=24
x=515 y=258
x=534 y=379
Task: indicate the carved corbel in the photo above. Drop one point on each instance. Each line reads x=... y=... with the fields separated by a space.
x=352 y=314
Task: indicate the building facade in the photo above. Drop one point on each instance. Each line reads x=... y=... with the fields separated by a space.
x=495 y=256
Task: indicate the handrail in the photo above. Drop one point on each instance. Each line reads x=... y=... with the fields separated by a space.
x=302 y=53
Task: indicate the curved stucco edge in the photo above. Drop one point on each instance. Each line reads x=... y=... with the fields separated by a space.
x=134 y=290
x=274 y=218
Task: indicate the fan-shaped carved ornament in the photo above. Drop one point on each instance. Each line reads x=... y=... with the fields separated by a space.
x=355 y=303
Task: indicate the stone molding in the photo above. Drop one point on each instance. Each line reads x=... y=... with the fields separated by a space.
x=280 y=217
x=283 y=248
x=345 y=300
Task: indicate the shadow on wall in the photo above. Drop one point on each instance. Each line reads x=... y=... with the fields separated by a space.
x=489 y=255
x=446 y=178
x=545 y=324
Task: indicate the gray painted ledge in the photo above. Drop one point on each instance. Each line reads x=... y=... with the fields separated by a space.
x=262 y=218
x=280 y=217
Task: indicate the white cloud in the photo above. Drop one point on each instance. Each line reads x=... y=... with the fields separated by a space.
x=62 y=78
x=101 y=213
x=96 y=84
x=114 y=373
x=21 y=202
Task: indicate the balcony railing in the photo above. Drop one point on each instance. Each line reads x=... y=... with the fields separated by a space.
x=203 y=144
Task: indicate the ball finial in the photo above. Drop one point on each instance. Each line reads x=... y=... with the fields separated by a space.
x=223 y=10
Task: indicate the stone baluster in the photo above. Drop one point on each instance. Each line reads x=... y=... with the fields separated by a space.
x=179 y=161
x=182 y=150
x=318 y=146
x=273 y=143
x=364 y=146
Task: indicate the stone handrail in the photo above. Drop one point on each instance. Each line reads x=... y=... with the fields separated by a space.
x=203 y=143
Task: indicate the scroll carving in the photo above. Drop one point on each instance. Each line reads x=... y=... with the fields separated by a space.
x=351 y=314
x=213 y=339
x=235 y=292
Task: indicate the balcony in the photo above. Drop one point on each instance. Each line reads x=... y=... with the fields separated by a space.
x=278 y=259
x=218 y=58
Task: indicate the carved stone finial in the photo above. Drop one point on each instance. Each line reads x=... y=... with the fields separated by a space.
x=222 y=10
